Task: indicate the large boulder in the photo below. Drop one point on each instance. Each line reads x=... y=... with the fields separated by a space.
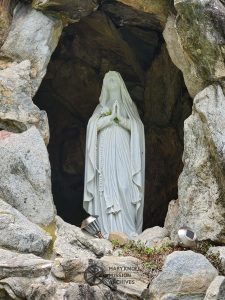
x=201 y=185
x=32 y=36
x=18 y=233
x=25 y=181
x=17 y=111
x=126 y=273
x=179 y=57
x=200 y=43
x=72 y=242
x=13 y=264
x=185 y=275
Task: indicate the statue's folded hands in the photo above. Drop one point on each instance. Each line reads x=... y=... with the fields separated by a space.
x=125 y=123
x=104 y=121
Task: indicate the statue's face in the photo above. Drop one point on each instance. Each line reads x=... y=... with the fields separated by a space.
x=113 y=84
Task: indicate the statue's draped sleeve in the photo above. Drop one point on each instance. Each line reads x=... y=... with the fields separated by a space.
x=90 y=161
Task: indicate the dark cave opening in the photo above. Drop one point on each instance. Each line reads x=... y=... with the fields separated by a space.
x=69 y=94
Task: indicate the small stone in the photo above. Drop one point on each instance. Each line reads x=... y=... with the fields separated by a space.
x=152 y=235
x=120 y=237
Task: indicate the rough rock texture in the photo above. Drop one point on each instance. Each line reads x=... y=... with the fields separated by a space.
x=73 y=10
x=25 y=175
x=18 y=233
x=152 y=235
x=120 y=237
x=127 y=271
x=72 y=242
x=185 y=275
x=17 y=111
x=156 y=11
x=59 y=291
x=51 y=289
x=70 y=270
x=24 y=265
x=180 y=58
x=216 y=290
x=32 y=36
x=220 y=252
x=202 y=41
x=201 y=183
x=5 y=20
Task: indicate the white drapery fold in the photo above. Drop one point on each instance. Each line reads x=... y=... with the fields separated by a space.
x=137 y=149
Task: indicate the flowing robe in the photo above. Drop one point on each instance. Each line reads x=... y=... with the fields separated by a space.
x=116 y=194
x=114 y=175
x=115 y=163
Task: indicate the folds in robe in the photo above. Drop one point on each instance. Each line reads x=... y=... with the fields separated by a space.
x=115 y=159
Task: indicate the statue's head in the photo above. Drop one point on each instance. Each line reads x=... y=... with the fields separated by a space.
x=112 y=81
x=111 y=84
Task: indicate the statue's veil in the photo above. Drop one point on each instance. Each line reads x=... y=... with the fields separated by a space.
x=137 y=148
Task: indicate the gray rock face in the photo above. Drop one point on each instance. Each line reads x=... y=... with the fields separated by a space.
x=72 y=242
x=23 y=265
x=220 y=252
x=70 y=270
x=180 y=58
x=152 y=235
x=208 y=30
x=216 y=290
x=14 y=287
x=201 y=185
x=18 y=233
x=197 y=48
x=25 y=176
x=73 y=291
x=74 y=10
x=185 y=275
x=126 y=14
x=32 y=36
x=141 y=13
x=127 y=272
x=47 y=287
x=17 y=111
x=5 y=23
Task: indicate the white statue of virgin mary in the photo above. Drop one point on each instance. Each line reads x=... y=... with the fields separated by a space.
x=115 y=161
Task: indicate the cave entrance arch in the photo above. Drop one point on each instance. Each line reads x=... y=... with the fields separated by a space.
x=70 y=92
